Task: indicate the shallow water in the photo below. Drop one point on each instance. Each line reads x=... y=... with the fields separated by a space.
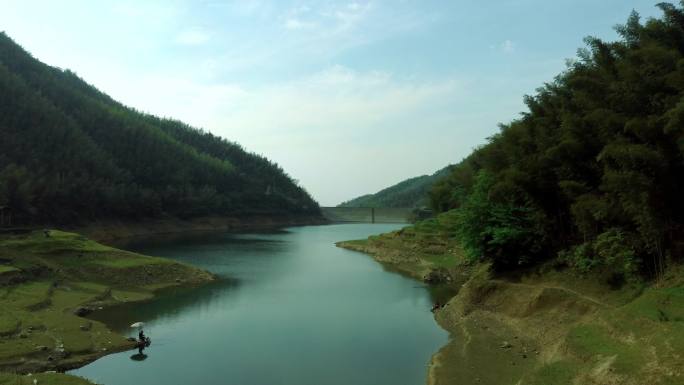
x=291 y=308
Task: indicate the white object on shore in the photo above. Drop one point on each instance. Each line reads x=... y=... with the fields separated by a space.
x=138 y=325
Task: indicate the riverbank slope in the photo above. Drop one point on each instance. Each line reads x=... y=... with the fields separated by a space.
x=50 y=280
x=540 y=326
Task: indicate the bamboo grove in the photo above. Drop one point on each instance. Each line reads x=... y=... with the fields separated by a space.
x=592 y=175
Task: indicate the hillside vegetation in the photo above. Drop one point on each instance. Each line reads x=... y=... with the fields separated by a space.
x=557 y=245
x=70 y=153
x=592 y=172
x=411 y=193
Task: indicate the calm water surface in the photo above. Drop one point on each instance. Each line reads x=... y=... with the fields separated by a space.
x=291 y=308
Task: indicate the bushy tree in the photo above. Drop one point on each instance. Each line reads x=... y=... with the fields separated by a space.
x=597 y=161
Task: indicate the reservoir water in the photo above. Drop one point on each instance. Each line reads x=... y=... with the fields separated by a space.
x=290 y=308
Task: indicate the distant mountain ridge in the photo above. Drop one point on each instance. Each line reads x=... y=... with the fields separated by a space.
x=69 y=152
x=412 y=192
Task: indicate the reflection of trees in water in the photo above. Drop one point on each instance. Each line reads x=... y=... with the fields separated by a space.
x=213 y=251
x=170 y=304
x=209 y=239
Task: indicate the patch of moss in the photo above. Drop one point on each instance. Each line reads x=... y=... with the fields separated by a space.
x=42 y=379
x=555 y=373
x=446 y=261
x=9 y=324
x=28 y=295
x=659 y=304
x=7 y=269
x=592 y=342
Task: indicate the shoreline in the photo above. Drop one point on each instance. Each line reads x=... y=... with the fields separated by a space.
x=402 y=262
x=113 y=231
x=130 y=346
x=56 y=282
x=539 y=326
x=23 y=366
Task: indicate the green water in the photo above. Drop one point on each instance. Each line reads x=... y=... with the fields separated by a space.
x=291 y=308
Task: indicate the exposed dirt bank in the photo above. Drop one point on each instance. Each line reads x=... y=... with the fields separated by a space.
x=545 y=326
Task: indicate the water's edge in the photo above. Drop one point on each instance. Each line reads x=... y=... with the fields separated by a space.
x=380 y=364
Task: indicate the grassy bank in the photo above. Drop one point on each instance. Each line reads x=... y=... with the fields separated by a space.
x=45 y=281
x=542 y=326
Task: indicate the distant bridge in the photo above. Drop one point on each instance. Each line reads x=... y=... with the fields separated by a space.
x=367 y=214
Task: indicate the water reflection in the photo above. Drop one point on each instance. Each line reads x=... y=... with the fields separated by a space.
x=170 y=304
x=139 y=357
x=291 y=309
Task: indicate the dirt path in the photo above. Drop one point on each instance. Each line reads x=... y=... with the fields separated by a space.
x=561 y=288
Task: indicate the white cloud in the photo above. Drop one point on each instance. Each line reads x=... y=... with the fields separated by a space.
x=295 y=24
x=193 y=37
x=352 y=14
x=507 y=47
x=354 y=6
x=333 y=99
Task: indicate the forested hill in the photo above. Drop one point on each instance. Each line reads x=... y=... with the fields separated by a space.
x=412 y=192
x=593 y=173
x=69 y=153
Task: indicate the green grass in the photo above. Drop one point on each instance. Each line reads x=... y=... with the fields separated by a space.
x=7 y=269
x=664 y=305
x=555 y=373
x=9 y=324
x=63 y=272
x=27 y=295
x=139 y=295
x=446 y=261
x=416 y=250
x=58 y=241
x=42 y=379
x=124 y=262
x=592 y=342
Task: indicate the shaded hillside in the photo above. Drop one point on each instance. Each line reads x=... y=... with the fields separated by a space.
x=71 y=153
x=412 y=192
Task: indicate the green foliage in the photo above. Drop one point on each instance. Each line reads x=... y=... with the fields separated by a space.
x=593 y=170
x=497 y=228
x=610 y=252
x=71 y=153
x=412 y=192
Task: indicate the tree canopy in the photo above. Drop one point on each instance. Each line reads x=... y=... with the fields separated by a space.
x=593 y=172
x=70 y=153
x=412 y=192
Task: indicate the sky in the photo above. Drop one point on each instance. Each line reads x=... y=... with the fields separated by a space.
x=349 y=97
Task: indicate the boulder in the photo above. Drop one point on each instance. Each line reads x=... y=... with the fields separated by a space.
x=82 y=311
x=437 y=276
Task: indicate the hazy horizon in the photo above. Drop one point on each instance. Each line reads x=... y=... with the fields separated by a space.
x=348 y=97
